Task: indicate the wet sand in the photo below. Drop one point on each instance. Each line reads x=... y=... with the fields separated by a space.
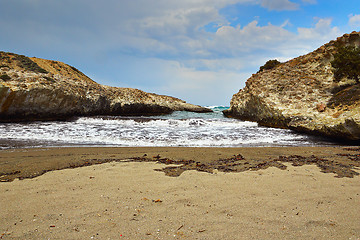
x=194 y=193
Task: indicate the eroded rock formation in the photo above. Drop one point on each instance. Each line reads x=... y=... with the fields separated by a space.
x=301 y=94
x=38 y=89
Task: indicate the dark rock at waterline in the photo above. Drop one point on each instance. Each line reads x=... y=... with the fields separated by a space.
x=302 y=94
x=39 y=89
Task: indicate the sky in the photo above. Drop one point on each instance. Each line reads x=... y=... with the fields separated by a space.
x=201 y=51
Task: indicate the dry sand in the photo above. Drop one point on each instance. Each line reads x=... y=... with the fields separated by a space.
x=129 y=200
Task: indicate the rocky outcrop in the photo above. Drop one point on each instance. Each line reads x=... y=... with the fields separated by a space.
x=38 y=89
x=301 y=94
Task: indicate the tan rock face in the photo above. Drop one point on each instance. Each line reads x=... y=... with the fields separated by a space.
x=301 y=94
x=39 y=89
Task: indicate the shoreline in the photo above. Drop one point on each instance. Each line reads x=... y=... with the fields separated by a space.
x=25 y=163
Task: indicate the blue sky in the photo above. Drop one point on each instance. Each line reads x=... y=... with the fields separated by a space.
x=201 y=51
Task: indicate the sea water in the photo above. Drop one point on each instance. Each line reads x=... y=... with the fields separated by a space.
x=177 y=129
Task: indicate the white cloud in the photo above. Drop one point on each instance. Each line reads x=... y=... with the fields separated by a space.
x=203 y=87
x=321 y=32
x=354 y=20
x=279 y=5
x=257 y=40
x=214 y=85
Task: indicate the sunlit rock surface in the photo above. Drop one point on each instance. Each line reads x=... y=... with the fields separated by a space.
x=39 y=89
x=301 y=94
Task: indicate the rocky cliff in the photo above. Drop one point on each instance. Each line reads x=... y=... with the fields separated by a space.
x=38 y=89
x=301 y=94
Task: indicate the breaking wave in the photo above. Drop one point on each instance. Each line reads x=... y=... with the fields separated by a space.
x=177 y=129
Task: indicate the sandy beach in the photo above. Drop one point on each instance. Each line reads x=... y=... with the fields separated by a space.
x=180 y=193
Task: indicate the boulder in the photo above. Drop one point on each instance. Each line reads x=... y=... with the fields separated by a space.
x=302 y=94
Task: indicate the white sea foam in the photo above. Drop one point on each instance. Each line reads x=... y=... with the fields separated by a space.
x=177 y=129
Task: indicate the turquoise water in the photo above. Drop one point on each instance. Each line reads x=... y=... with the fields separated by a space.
x=176 y=129
x=216 y=114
